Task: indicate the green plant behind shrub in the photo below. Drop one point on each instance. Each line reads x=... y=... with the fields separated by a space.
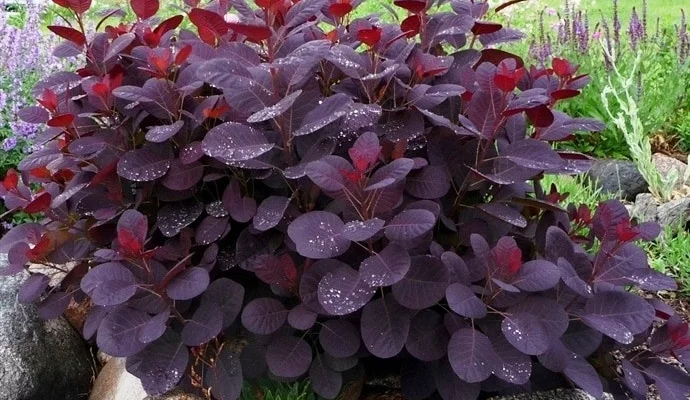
x=670 y=254
x=270 y=390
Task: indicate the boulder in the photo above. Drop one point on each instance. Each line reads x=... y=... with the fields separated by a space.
x=559 y=394
x=665 y=164
x=39 y=359
x=618 y=176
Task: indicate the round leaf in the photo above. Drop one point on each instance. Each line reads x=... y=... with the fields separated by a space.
x=264 y=316
x=288 y=357
x=385 y=326
x=189 y=284
x=206 y=323
x=339 y=338
x=386 y=267
x=471 y=355
x=341 y=292
x=428 y=338
x=109 y=284
x=317 y=235
x=424 y=285
x=463 y=301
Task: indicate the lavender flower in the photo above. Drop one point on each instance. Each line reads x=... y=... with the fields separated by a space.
x=10 y=143
x=644 y=20
x=635 y=30
x=616 y=27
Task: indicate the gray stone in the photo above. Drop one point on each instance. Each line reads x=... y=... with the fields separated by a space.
x=645 y=207
x=674 y=213
x=559 y=394
x=618 y=176
x=39 y=359
x=665 y=164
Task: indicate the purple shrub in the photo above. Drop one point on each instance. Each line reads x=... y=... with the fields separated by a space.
x=295 y=191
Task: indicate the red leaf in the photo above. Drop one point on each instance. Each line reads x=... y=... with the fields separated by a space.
x=483 y=28
x=505 y=83
x=255 y=33
x=339 y=10
x=41 y=249
x=11 y=180
x=370 y=37
x=101 y=89
x=413 y=6
x=217 y=111
x=564 y=94
x=541 y=116
x=183 y=54
x=410 y=25
x=168 y=25
x=625 y=232
x=63 y=176
x=128 y=242
x=48 y=100
x=68 y=33
x=39 y=204
x=561 y=67
x=144 y=9
x=495 y=56
x=78 y=6
x=41 y=173
x=209 y=20
x=103 y=175
x=61 y=121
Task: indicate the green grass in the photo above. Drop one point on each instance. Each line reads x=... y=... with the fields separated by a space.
x=266 y=389
x=580 y=191
x=670 y=254
x=668 y=11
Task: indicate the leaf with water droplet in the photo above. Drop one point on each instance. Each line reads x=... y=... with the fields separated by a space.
x=341 y=292
x=161 y=133
x=230 y=142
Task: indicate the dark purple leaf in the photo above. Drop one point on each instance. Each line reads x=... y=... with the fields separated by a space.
x=450 y=387
x=531 y=153
x=341 y=292
x=301 y=317
x=533 y=324
x=431 y=182
x=93 y=320
x=339 y=338
x=505 y=213
x=288 y=357
x=619 y=315
x=161 y=133
x=231 y=142
x=359 y=231
x=317 y=234
x=163 y=364
x=155 y=328
x=325 y=174
x=227 y=295
x=390 y=174
x=173 y=217
x=146 y=164
x=633 y=379
x=471 y=355
x=264 y=316
x=424 y=284
x=54 y=305
x=329 y=110
x=572 y=279
x=385 y=326
x=109 y=284
x=537 y=276
x=118 y=333
x=275 y=110
x=225 y=377
x=670 y=382
x=206 y=323
x=33 y=115
x=462 y=300
x=410 y=224
x=34 y=286
x=428 y=337
x=183 y=176
x=189 y=284
x=386 y=267
x=324 y=380
x=583 y=374
x=516 y=367
x=270 y=212
x=457 y=267
x=211 y=229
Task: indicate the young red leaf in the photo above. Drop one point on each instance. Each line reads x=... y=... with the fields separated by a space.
x=371 y=37
x=255 y=33
x=61 y=121
x=168 y=25
x=68 y=33
x=11 y=180
x=413 y=6
x=340 y=8
x=183 y=54
x=39 y=204
x=144 y=9
x=563 y=94
x=484 y=28
x=208 y=21
x=48 y=100
x=561 y=67
x=410 y=25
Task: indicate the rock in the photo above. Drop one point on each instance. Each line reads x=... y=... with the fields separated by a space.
x=115 y=383
x=618 y=176
x=559 y=394
x=645 y=207
x=39 y=359
x=665 y=164
x=674 y=213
